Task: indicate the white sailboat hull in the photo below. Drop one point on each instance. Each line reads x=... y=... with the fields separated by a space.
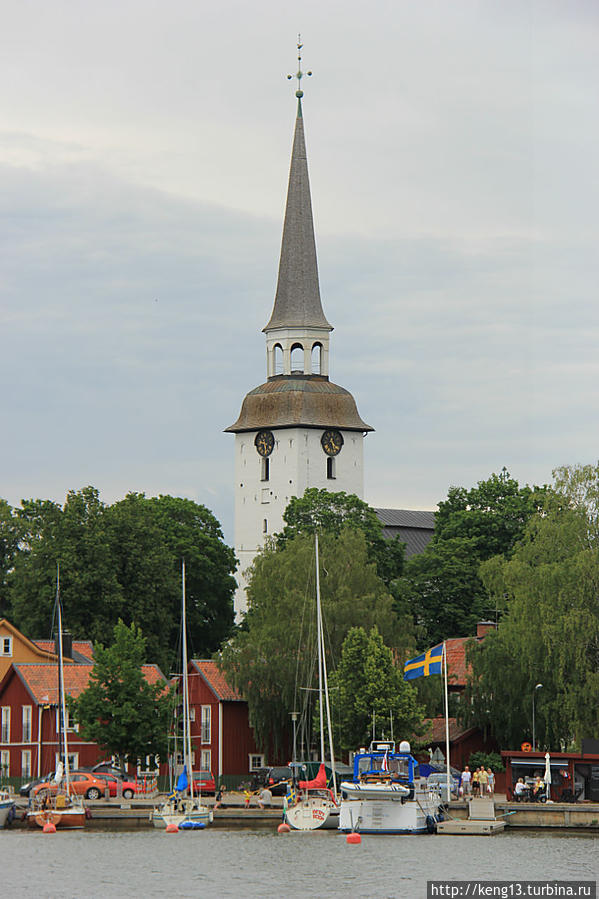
x=389 y=813
x=186 y=810
x=5 y=807
x=313 y=813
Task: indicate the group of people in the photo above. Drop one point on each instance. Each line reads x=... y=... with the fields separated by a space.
x=480 y=782
x=534 y=792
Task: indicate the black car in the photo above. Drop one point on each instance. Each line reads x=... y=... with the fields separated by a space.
x=276 y=779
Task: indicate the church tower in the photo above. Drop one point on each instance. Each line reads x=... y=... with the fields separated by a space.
x=298 y=429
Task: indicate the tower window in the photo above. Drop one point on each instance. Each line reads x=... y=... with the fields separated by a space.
x=330 y=468
x=278 y=365
x=265 y=476
x=265 y=526
x=316 y=358
x=297 y=358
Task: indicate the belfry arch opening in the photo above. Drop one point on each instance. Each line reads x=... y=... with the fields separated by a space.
x=278 y=360
x=317 y=359
x=297 y=358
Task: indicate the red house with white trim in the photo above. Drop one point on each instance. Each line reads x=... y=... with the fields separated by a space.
x=29 y=732
x=222 y=739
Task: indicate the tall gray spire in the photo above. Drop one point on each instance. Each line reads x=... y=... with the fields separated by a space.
x=297 y=300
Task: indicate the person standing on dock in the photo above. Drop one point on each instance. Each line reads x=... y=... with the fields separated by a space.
x=490 y=782
x=466 y=778
x=483 y=780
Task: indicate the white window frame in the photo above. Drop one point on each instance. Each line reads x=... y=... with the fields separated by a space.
x=5 y=724
x=5 y=762
x=71 y=728
x=27 y=719
x=73 y=761
x=6 y=646
x=255 y=761
x=26 y=763
x=206 y=760
x=192 y=713
x=206 y=724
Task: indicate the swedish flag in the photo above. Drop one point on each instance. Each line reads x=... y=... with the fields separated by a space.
x=291 y=796
x=426 y=664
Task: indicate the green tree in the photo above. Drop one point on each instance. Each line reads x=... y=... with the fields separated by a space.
x=367 y=684
x=150 y=536
x=9 y=544
x=550 y=633
x=76 y=537
x=442 y=585
x=120 y=710
x=325 y=512
x=274 y=656
x=123 y=561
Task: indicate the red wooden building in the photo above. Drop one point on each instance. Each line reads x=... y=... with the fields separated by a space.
x=223 y=741
x=29 y=737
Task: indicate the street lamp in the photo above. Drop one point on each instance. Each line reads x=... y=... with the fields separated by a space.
x=538 y=687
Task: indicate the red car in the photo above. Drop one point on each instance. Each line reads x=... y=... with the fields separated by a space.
x=129 y=787
x=203 y=782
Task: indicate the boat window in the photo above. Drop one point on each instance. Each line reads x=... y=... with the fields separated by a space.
x=400 y=767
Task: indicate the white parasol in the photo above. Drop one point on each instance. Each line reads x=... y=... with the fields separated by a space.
x=547 y=777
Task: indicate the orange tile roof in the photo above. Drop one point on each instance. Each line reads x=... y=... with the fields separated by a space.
x=457 y=669
x=42 y=680
x=216 y=680
x=84 y=647
x=438 y=729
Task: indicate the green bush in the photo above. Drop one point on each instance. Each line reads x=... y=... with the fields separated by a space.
x=490 y=760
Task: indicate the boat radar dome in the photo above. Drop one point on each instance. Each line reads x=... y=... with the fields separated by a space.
x=404 y=746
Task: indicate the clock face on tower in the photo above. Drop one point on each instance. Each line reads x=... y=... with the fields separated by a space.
x=264 y=442
x=331 y=442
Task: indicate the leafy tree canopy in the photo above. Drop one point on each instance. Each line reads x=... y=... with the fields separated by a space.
x=120 y=710
x=324 y=512
x=123 y=560
x=550 y=633
x=368 y=684
x=442 y=585
x=274 y=656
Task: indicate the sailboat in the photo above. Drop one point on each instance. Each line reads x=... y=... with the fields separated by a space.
x=315 y=806
x=185 y=812
x=57 y=804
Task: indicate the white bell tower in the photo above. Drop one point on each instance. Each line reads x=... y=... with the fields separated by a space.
x=298 y=429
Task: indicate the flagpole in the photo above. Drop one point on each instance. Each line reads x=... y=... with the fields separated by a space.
x=446 y=722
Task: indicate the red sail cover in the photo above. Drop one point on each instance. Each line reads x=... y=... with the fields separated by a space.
x=319 y=782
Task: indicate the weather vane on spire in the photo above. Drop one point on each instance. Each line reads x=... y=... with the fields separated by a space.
x=299 y=74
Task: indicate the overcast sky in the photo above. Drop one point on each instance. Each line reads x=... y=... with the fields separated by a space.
x=144 y=153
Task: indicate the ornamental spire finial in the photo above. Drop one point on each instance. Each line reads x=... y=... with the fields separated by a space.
x=299 y=74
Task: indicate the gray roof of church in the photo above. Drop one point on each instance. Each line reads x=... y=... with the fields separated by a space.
x=310 y=401
x=413 y=527
x=297 y=300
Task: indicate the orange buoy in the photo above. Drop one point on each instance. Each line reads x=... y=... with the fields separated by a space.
x=353 y=837
x=283 y=828
x=172 y=828
x=49 y=827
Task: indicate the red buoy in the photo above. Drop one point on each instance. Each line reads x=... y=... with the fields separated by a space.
x=283 y=828
x=49 y=827
x=172 y=828
x=353 y=838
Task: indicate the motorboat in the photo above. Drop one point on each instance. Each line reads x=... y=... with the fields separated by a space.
x=386 y=794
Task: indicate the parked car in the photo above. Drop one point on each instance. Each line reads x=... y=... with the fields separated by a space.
x=440 y=779
x=82 y=784
x=107 y=768
x=203 y=782
x=276 y=779
x=128 y=788
x=26 y=788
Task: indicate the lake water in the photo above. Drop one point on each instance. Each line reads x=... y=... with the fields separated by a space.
x=261 y=863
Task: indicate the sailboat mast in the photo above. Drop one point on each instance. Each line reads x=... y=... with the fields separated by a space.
x=186 y=722
x=320 y=652
x=61 y=691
